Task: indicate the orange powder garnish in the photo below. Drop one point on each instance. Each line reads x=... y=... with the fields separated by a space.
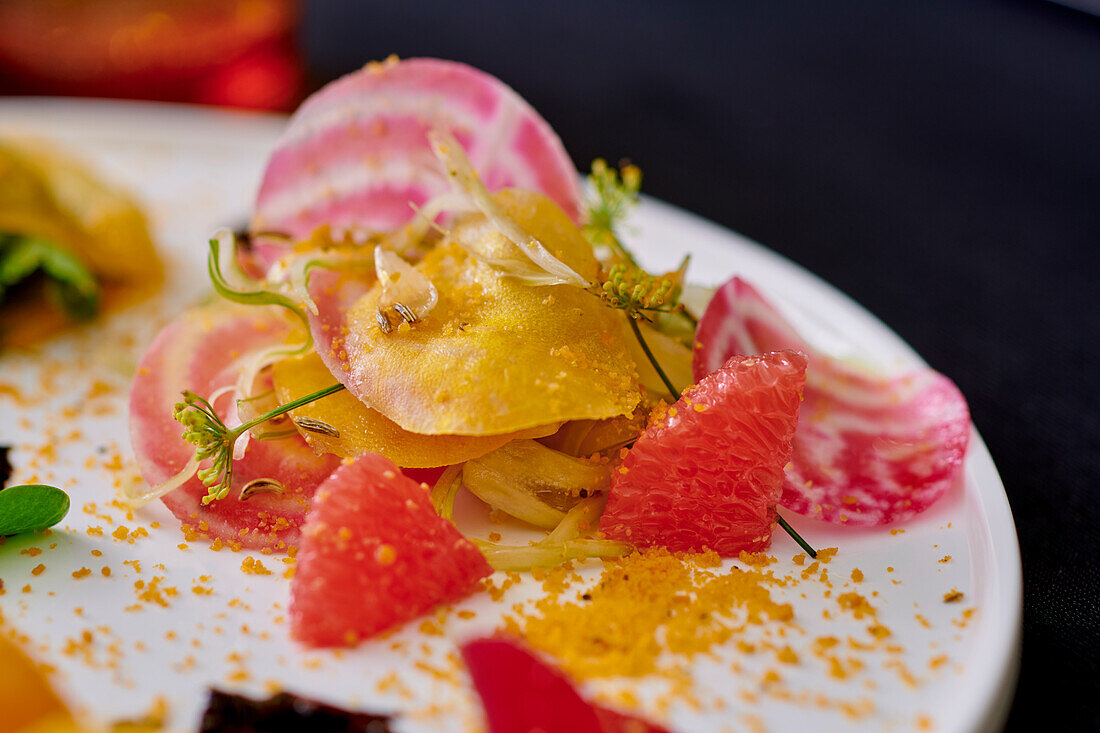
x=638 y=604
x=38 y=569
x=83 y=572
x=954 y=596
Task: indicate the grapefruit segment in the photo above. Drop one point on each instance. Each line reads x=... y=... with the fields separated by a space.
x=709 y=471
x=375 y=554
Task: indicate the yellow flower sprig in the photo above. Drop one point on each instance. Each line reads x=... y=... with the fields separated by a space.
x=614 y=194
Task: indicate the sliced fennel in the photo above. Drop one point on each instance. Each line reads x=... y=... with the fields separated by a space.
x=444 y=492
x=581 y=519
x=514 y=558
x=531 y=482
x=406 y=293
x=543 y=268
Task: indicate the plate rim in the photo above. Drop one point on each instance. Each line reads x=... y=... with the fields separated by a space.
x=1000 y=648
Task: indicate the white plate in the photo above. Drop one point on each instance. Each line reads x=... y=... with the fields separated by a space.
x=197 y=169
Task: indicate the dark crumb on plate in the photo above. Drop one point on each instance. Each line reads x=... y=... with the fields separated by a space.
x=284 y=713
x=5 y=465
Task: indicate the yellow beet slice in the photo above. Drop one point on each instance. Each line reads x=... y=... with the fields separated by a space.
x=496 y=355
x=363 y=430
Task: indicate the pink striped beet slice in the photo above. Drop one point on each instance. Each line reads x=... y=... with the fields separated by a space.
x=201 y=351
x=355 y=154
x=869 y=449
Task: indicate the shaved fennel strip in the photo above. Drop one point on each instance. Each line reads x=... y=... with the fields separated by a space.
x=514 y=558
x=531 y=482
x=587 y=511
x=142 y=498
x=501 y=495
x=444 y=491
x=450 y=153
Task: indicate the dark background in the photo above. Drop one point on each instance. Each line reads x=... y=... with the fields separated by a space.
x=937 y=161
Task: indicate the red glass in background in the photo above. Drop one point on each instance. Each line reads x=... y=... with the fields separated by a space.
x=237 y=53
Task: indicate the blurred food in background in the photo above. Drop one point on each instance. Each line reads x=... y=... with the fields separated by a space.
x=71 y=245
x=237 y=53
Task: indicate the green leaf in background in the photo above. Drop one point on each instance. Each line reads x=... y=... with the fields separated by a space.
x=70 y=283
x=31 y=507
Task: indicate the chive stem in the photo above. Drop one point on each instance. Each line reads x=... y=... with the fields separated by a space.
x=282 y=409
x=652 y=359
x=796 y=536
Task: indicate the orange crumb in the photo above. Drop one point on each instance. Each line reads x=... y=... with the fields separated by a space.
x=855 y=603
x=953 y=596
x=83 y=572
x=857 y=575
x=758 y=559
x=878 y=631
x=38 y=569
x=252 y=566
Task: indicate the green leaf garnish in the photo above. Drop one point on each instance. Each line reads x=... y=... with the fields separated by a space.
x=31 y=507
x=214 y=440
x=70 y=284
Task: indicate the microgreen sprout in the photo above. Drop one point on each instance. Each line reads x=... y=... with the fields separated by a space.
x=613 y=194
x=629 y=288
x=214 y=440
x=222 y=263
